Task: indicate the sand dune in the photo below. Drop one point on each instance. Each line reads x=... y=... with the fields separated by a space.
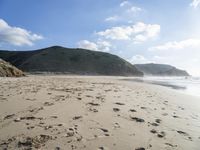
x=95 y=113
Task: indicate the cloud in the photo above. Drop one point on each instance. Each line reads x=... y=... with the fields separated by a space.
x=16 y=36
x=112 y=18
x=96 y=46
x=124 y=3
x=125 y=13
x=139 y=32
x=195 y=3
x=182 y=54
x=87 y=45
x=139 y=59
x=189 y=43
x=134 y=9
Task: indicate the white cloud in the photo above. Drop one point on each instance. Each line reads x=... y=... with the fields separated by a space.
x=16 y=36
x=195 y=3
x=134 y=9
x=138 y=32
x=183 y=54
x=96 y=46
x=125 y=13
x=87 y=45
x=124 y=3
x=112 y=18
x=139 y=59
x=189 y=43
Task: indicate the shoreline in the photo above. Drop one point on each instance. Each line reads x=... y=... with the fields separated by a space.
x=176 y=87
x=95 y=112
x=182 y=86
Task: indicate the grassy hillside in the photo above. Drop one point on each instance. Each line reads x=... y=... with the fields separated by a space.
x=160 y=70
x=73 y=61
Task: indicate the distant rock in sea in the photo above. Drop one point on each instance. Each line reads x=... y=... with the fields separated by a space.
x=160 y=70
x=8 y=70
x=58 y=59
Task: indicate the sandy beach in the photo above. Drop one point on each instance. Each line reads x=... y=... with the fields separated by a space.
x=95 y=113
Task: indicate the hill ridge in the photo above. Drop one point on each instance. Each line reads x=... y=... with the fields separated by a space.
x=70 y=60
x=160 y=70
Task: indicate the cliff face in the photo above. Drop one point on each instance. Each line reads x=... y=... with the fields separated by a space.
x=160 y=70
x=8 y=70
x=72 y=61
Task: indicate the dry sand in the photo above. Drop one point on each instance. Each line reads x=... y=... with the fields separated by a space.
x=95 y=113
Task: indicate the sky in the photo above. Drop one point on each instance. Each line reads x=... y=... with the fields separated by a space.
x=140 y=31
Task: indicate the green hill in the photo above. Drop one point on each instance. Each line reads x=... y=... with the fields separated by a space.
x=160 y=70
x=73 y=61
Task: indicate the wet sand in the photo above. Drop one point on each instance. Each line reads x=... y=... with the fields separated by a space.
x=95 y=113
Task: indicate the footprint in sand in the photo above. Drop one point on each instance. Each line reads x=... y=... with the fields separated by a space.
x=154 y=124
x=185 y=134
x=143 y=107
x=153 y=131
x=171 y=145
x=161 y=134
x=118 y=103
x=9 y=116
x=48 y=104
x=93 y=104
x=140 y=148
x=103 y=148
x=165 y=114
x=158 y=120
x=137 y=119
x=132 y=110
x=116 y=109
x=77 y=117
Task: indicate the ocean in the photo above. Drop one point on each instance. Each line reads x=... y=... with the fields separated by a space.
x=188 y=85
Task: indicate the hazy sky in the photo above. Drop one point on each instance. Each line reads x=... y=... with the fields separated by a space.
x=140 y=31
